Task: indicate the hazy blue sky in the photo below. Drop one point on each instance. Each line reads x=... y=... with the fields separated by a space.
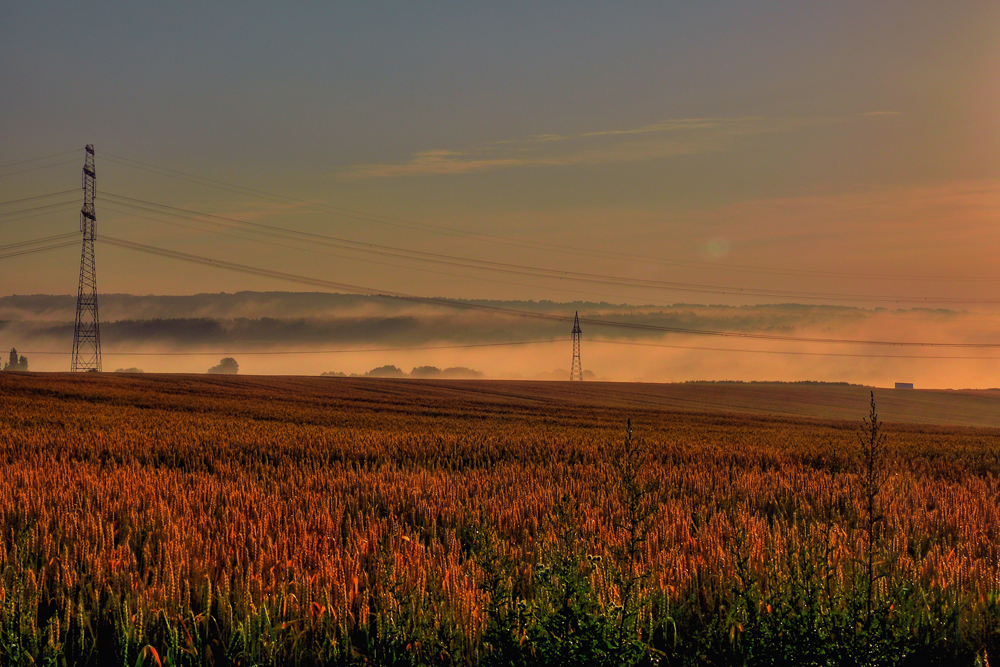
x=791 y=136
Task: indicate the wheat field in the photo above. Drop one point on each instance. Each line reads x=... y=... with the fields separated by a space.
x=252 y=520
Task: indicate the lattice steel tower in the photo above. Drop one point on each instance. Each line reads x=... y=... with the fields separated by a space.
x=576 y=373
x=87 y=330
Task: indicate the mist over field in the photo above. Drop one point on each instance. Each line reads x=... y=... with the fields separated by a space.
x=310 y=333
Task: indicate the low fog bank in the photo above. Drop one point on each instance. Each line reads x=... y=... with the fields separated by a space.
x=256 y=305
x=290 y=319
x=309 y=333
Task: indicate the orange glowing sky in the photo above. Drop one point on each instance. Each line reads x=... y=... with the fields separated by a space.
x=838 y=150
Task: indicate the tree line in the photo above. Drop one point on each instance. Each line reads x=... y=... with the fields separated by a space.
x=15 y=362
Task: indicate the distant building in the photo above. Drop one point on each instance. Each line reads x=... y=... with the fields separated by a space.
x=904 y=385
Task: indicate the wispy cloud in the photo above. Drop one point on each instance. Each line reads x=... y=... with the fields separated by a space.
x=667 y=138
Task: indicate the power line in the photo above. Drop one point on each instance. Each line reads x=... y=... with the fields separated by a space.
x=291 y=352
x=214 y=353
x=346 y=212
x=344 y=244
x=538 y=272
x=232 y=266
x=48 y=210
x=37 y=250
x=55 y=242
x=13 y=214
x=44 y=166
x=54 y=194
x=787 y=352
x=319 y=282
x=47 y=239
x=503 y=240
x=39 y=159
x=779 y=337
x=115 y=206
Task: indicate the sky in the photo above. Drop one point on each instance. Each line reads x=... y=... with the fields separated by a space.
x=719 y=153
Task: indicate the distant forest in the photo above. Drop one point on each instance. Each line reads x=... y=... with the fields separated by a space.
x=422 y=372
x=272 y=319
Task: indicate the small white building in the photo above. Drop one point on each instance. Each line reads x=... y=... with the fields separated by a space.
x=904 y=385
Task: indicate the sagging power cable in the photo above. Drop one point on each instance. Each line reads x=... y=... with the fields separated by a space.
x=468 y=305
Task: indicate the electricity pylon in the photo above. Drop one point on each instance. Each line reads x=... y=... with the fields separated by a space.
x=87 y=330
x=576 y=373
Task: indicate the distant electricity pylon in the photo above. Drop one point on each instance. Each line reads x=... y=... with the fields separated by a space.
x=87 y=330
x=577 y=371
